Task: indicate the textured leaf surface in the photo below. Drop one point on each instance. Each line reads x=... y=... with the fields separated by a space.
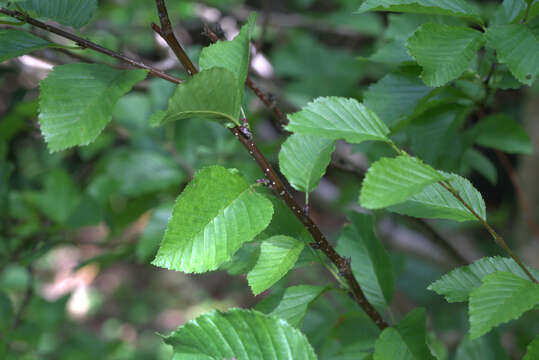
x=278 y=255
x=216 y=213
x=74 y=13
x=295 y=302
x=502 y=297
x=407 y=340
x=395 y=97
x=338 y=118
x=370 y=261
x=303 y=160
x=444 y=51
x=517 y=47
x=532 y=351
x=211 y=94
x=459 y=8
x=457 y=284
x=239 y=334
x=500 y=131
x=76 y=102
x=435 y=202
x=390 y=181
x=15 y=43
x=232 y=55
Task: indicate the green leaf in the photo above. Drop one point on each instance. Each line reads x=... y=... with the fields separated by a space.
x=502 y=297
x=390 y=181
x=338 y=118
x=211 y=94
x=216 y=213
x=479 y=162
x=499 y=131
x=532 y=351
x=510 y=11
x=76 y=102
x=485 y=347
x=232 y=55
x=444 y=51
x=151 y=237
x=303 y=160
x=518 y=48
x=74 y=13
x=59 y=197
x=407 y=340
x=295 y=302
x=278 y=255
x=458 y=284
x=15 y=43
x=395 y=97
x=139 y=172
x=370 y=261
x=435 y=202
x=459 y=8
x=239 y=334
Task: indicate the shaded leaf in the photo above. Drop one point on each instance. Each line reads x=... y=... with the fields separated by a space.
x=518 y=48
x=151 y=237
x=278 y=255
x=458 y=284
x=485 y=347
x=76 y=102
x=138 y=172
x=338 y=118
x=395 y=97
x=459 y=8
x=303 y=160
x=74 y=13
x=444 y=51
x=501 y=132
x=390 y=181
x=370 y=261
x=216 y=213
x=502 y=297
x=211 y=94
x=435 y=202
x=407 y=340
x=295 y=302
x=232 y=55
x=239 y=334
x=15 y=43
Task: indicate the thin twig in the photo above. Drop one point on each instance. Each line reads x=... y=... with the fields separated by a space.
x=497 y=237
x=88 y=44
x=342 y=264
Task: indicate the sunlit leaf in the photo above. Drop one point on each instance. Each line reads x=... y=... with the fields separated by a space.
x=390 y=181
x=303 y=160
x=239 y=334
x=211 y=94
x=457 y=284
x=502 y=297
x=278 y=255
x=338 y=118
x=76 y=101
x=295 y=302
x=216 y=213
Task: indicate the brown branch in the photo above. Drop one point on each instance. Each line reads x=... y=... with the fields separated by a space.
x=88 y=44
x=167 y=33
x=342 y=264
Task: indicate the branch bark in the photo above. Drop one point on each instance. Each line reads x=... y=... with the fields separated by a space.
x=277 y=185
